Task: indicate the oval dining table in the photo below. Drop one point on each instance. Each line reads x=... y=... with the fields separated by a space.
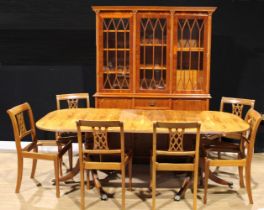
x=141 y=121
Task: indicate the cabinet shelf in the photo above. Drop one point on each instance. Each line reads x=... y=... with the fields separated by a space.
x=116 y=49
x=123 y=31
x=151 y=45
x=190 y=70
x=150 y=67
x=115 y=72
x=189 y=49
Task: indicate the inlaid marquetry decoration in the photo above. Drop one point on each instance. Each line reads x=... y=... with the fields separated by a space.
x=237 y=109
x=73 y=103
x=176 y=140
x=116 y=50
x=100 y=138
x=153 y=48
x=21 y=123
x=190 y=54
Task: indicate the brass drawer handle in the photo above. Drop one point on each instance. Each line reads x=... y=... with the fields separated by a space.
x=152 y=103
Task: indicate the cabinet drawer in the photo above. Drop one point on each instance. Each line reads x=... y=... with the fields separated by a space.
x=194 y=105
x=152 y=103
x=122 y=103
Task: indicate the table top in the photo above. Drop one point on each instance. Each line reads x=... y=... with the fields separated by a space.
x=141 y=121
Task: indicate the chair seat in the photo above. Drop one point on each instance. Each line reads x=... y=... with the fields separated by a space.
x=47 y=143
x=222 y=147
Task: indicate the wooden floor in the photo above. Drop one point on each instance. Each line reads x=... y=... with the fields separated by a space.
x=39 y=193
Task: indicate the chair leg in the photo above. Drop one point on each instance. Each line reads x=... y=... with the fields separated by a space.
x=217 y=169
x=241 y=179
x=240 y=172
x=130 y=173
x=70 y=155
x=61 y=160
x=195 y=184
x=34 y=165
x=248 y=183
x=82 y=192
x=19 y=173
x=153 y=187
x=206 y=176
x=123 y=174
x=56 y=169
x=88 y=179
x=150 y=178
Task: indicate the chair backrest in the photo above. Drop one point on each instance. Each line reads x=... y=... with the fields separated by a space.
x=23 y=123
x=253 y=118
x=237 y=105
x=99 y=129
x=176 y=131
x=72 y=100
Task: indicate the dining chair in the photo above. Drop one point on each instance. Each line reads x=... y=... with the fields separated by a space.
x=70 y=101
x=245 y=153
x=236 y=106
x=24 y=128
x=176 y=148
x=100 y=147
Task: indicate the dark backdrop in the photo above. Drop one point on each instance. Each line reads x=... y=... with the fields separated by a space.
x=48 y=48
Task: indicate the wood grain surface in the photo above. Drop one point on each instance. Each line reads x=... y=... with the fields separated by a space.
x=141 y=121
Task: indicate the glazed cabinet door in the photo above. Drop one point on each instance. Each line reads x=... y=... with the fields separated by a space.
x=153 y=47
x=115 y=52
x=190 y=70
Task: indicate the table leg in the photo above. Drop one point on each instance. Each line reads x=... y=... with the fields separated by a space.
x=218 y=180
x=97 y=184
x=76 y=169
x=180 y=194
x=213 y=177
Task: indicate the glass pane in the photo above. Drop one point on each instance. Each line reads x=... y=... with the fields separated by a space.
x=190 y=33
x=189 y=71
x=190 y=55
x=190 y=60
x=121 y=39
x=116 y=81
x=150 y=79
x=111 y=42
x=116 y=50
x=153 y=48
